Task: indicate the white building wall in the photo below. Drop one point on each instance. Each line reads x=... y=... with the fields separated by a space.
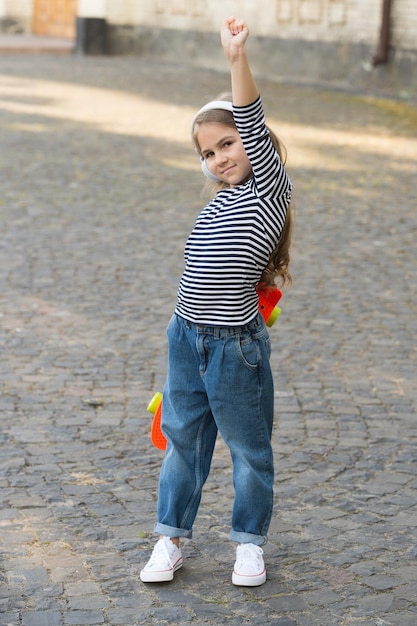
x=92 y=8
x=123 y=12
x=348 y=21
x=20 y=9
x=404 y=23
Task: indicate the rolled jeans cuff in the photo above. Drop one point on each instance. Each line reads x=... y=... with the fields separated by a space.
x=239 y=537
x=171 y=532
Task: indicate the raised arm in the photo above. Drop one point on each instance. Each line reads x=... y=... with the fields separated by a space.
x=234 y=33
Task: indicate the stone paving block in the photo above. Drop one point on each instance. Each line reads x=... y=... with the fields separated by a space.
x=11 y=619
x=172 y=614
x=86 y=587
x=381 y=582
x=88 y=602
x=287 y=604
x=65 y=574
x=374 y=605
x=41 y=618
x=123 y=615
x=84 y=618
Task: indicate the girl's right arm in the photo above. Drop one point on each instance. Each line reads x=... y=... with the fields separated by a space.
x=234 y=33
x=270 y=176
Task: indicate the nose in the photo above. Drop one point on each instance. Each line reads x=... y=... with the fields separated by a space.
x=220 y=158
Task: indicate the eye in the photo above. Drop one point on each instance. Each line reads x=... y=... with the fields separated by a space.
x=208 y=155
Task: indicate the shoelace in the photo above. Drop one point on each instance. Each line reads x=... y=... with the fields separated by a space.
x=249 y=553
x=161 y=552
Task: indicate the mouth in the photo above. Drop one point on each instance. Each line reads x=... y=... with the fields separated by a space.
x=227 y=170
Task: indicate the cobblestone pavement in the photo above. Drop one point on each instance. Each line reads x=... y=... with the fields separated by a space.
x=99 y=188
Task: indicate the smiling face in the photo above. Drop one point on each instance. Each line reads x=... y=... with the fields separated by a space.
x=224 y=154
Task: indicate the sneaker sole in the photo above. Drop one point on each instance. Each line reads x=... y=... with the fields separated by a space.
x=248 y=581
x=160 y=577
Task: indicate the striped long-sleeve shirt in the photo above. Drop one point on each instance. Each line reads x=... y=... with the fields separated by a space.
x=235 y=233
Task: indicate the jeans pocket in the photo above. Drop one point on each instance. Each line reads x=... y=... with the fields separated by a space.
x=248 y=351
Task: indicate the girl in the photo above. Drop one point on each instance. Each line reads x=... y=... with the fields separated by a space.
x=219 y=376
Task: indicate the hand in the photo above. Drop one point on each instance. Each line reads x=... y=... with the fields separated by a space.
x=234 y=33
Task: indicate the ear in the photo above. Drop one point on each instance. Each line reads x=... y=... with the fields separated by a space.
x=207 y=172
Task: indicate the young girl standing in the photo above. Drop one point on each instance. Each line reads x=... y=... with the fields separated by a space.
x=219 y=377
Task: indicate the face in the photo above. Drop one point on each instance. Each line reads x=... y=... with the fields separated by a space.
x=223 y=151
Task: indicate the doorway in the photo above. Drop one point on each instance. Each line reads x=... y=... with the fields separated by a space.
x=55 y=18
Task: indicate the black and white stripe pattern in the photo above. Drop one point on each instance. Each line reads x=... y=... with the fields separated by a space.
x=235 y=234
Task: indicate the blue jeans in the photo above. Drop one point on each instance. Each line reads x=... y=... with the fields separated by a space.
x=219 y=379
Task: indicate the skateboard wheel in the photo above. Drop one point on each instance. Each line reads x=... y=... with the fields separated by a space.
x=274 y=316
x=154 y=403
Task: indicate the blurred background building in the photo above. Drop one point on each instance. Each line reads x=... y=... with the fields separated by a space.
x=339 y=41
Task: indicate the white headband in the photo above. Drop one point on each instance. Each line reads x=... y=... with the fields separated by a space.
x=224 y=105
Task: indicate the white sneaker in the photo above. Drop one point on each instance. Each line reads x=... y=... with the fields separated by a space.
x=249 y=568
x=165 y=560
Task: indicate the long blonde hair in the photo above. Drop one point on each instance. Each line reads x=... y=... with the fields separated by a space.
x=277 y=269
